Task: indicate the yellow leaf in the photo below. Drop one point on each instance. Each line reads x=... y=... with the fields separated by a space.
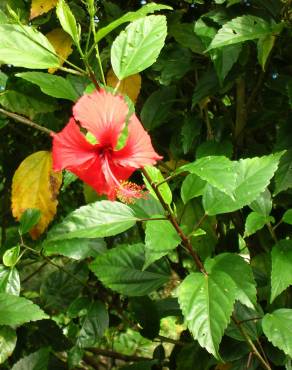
x=130 y=86
x=35 y=185
x=39 y=7
x=223 y=367
x=62 y=43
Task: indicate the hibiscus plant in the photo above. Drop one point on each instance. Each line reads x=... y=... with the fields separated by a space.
x=145 y=184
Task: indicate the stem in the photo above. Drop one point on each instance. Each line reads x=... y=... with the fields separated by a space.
x=116 y=355
x=185 y=240
x=247 y=338
x=26 y=121
x=241 y=115
x=272 y=232
x=72 y=71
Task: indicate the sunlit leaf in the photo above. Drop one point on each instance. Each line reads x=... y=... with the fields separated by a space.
x=39 y=7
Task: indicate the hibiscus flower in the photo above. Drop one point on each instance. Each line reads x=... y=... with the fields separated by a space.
x=101 y=165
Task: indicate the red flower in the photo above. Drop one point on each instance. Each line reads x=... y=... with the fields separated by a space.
x=100 y=165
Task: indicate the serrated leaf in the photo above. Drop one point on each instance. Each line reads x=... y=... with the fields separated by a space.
x=207 y=302
x=235 y=266
x=277 y=327
x=29 y=219
x=130 y=17
x=95 y=220
x=38 y=360
x=67 y=20
x=192 y=186
x=157 y=246
x=252 y=177
x=218 y=171
x=254 y=222
x=39 y=7
x=130 y=86
x=157 y=177
x=35 y=185
x=55 y=86
x=76 y=249
x=287 y=217
x=17 y=310
x=283 y=176
x=281 y=276
x=93 y=325
x=240 y=29
x=23 y=46
x=62 y=45
x=8 y=340
x=156 y=108
x=9 y=280
x=121 y=269
x=137 y=48
x=262 y=204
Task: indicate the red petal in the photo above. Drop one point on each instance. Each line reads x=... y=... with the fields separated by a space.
x=138 y=151
x=103 y=114
x=70 y=148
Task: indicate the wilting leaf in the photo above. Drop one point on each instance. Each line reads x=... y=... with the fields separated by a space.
x=62 y=43
x=39 y=7
x=130 y=86
x=35 y=185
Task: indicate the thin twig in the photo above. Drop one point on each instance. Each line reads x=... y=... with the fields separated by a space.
x=116 y=355
x=26 y=121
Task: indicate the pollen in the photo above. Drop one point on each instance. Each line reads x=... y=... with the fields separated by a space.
x=128 y=192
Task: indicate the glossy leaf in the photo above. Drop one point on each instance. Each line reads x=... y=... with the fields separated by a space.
x=35 y=185
x=38 y=360
x=252 y=177
x=281 y=276
x=160 y=238
x=277 y=326
x=68 y=21
x=23 y=46
x=235 y=266
x=254 y=222
x=137 y=48
x=283 y=176
x=192 y=186
x=8 y=340
x=157 y=177
x=10 y=256
x=55 y=86
x=95 y=220
x=287 y=217
x=17 y=310
x=207 y=303
x=9 y=280
x=29 y=219
x=121 y=269
x=262 y=204
x=265 y=46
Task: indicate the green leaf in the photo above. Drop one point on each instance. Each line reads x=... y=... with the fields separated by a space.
x=26 y=105
x=121 y=269
x=95 y=220
x=252 y=177
x=3 y=81
x=218 y=171
x=262 y=204
x=145 y=208
x=76 y=249
x=207 y=302
x=281 y=276
x=184 y=34
x=17 y=310
x=244 y=28
x=52 y=85
x=192 y=186
x=157 y=246
x=283 y=176
x=29 y=219
x=62 y=286
x=10 y=256
x=68 y=21
x=38 y=360
x=207 y=85
x=130 y=17
x=157 y=177
x=277 y=327
x=9 y=280
x=236 y=267
x=23 y=46
x=93 y=325
x=287 y=217
x=8 y=340
x=138 y=47
x=254 y=222
x=211 y=147
x=265 y=46
x=156 y=108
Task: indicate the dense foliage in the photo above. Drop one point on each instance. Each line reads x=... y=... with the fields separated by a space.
x=197 y=273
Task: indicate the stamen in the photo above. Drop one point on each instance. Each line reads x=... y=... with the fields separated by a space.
x=127 y=192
